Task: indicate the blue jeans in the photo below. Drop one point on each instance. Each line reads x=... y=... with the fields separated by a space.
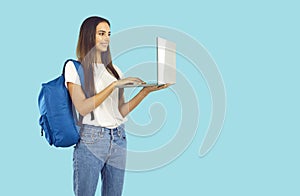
x=100 y=150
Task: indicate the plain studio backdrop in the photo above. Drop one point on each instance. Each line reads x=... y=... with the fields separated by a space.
x=256 y=47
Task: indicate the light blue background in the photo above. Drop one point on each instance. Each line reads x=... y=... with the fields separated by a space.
x=256 y=47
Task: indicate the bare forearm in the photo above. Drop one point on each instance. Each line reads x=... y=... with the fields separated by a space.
x=126 y=108
x=85 y=106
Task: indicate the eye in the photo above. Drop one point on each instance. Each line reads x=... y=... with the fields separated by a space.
x=101 y=33
x=109 y=34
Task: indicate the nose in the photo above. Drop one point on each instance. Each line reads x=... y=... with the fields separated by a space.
x=106 y=37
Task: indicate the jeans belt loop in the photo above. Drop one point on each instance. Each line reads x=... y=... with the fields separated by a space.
x=119 y=132
x=112 y=134
x=101 y=132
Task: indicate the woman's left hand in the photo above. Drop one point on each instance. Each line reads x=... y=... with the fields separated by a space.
x=150 y=89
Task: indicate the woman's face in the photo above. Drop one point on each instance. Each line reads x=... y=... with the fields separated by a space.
x=102 y=36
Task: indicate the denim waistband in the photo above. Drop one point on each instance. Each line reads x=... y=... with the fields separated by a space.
x=101 y=129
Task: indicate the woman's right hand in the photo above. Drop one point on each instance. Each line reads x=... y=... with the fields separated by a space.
x=129 y=80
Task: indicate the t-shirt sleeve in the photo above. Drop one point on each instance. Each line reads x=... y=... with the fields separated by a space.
x=71 y=74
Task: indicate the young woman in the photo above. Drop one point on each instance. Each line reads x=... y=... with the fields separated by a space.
x=102 y=147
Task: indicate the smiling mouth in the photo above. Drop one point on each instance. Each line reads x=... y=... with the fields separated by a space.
x=104 y=44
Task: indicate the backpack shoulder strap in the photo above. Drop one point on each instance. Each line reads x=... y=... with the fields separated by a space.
x=79 y=69
x=80 y=72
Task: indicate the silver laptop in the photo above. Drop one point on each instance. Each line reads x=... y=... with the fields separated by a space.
x=166 y=65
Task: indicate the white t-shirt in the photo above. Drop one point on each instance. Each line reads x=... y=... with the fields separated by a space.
x=107 y=113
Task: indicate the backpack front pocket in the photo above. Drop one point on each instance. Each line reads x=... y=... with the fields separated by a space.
x=46 y=128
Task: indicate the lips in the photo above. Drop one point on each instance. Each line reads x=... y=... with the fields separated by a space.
x=104 y=44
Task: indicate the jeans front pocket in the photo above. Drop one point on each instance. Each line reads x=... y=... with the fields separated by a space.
x=121 y=132
x=120 y=139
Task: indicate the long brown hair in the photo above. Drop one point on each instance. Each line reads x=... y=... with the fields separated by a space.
x=86 y=54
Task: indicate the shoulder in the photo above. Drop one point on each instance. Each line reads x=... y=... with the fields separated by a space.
x=71 y=74
x=70 y=68
x=118 y=70
x=73 y=66
x=70 y=65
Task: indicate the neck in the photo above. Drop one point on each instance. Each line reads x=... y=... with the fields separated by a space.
x=98 y=58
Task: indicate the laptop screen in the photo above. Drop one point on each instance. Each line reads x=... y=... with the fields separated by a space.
x=166 y=61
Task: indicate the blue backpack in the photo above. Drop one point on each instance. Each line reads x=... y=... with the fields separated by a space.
x=58 y=116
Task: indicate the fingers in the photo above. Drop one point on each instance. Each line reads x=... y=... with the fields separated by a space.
x=130 y=80
x=134 y=79
x=156 y=88
x=138 y=80
x=163 y=86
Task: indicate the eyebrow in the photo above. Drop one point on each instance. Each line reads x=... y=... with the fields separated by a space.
x=102 y=31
